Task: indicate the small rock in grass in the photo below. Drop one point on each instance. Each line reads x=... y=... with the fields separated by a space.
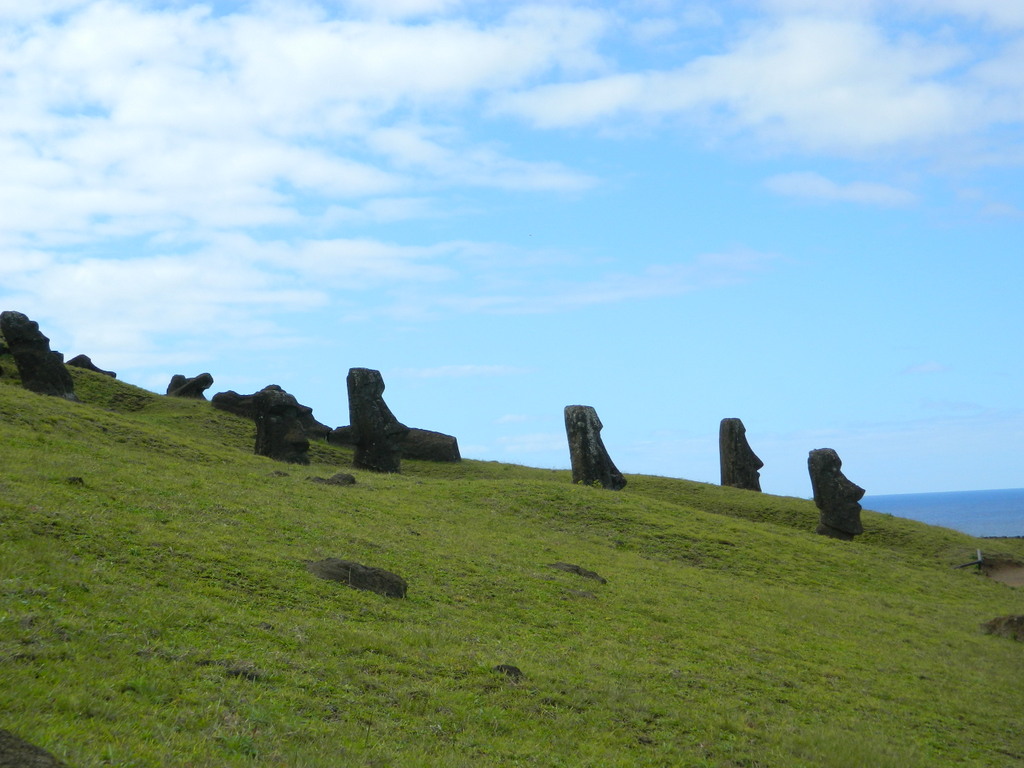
x=512 y=672
x=342 y=478
x=1005 y=626
x=359 y=576
x=570 y=568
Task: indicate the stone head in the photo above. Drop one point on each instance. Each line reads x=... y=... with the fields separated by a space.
x=834 y=494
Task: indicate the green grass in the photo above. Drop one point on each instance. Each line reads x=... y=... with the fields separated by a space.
x=159 y=612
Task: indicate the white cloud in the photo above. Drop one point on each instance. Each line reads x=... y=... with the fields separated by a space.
x=1000 y=13
x=706 y=271
x=116 y=308
x=822 y=84
x=414 y=149
x=398 y=9
x=817 y=187
x=184 y=119
x=20 y=11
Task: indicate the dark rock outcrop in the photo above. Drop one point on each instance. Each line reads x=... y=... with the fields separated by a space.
x=591 y=464
x=279 y=432
x=360 y=576
x=579 y=571
x=15 y=752
x=378 y=434
x=194 y=388
x=511 y=671
x=1005 y=626
x=83 y=361
x=341 y=478
x=738 y=462
x=243 y=405
x=40 y=369
x=835 y=496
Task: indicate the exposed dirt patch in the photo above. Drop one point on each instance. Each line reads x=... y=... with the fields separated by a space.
x=1003 y=569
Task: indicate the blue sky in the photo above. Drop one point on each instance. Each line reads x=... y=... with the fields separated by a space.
x=807 y=214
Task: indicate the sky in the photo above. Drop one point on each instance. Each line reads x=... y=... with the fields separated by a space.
x=806 y=214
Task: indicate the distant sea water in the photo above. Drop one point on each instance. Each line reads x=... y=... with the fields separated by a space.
x=978 y=513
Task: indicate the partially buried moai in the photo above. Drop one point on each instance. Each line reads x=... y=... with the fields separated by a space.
x=377 y=433
x=40 y=369
x=835 y=496
x=739 y=462
x=279 y=432
x=591 y=463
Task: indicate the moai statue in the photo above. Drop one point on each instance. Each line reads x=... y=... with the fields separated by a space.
x=834 y=495
x=590 y=460
x=739 y=463
x=181 y=386
x=244 y=406
x=378 y=434
x=84 y=361
x=279 y=432
x=40 y=369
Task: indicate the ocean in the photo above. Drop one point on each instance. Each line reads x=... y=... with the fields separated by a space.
x=978 y=513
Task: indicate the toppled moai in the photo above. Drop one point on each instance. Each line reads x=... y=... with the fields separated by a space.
x=194 y=387
x=835 y=496
x=279 y=433
x=41 y=370
x=378 y=435
x=422 y=444
x=84 y=361
x=591 y=464
x=739 y=463
x=427 y=445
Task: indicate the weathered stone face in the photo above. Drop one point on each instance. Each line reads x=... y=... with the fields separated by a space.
x=591 y=463
x=739 y=463
x=378 y=434
x=40 y=369
x=835 y=496
x=279 y=433
x=243 y=405
x=181 y=386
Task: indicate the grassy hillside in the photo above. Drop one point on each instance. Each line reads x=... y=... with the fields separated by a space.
x=155 y=610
